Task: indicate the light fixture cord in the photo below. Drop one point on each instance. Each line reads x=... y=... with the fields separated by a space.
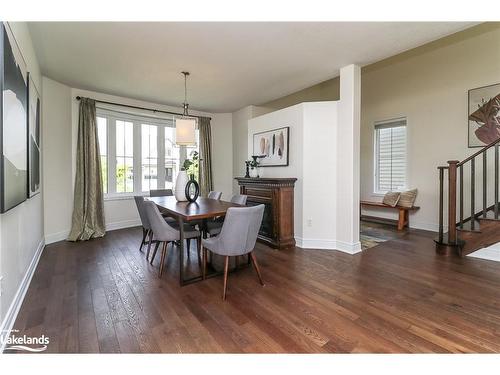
x=185 y=113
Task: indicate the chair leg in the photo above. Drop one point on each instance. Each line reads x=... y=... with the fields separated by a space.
x=154 y=253
x=226 y=269
x=198 y=249
x=248 y=259
x=256 y=265
x=144 y=234
x=163 y=256
x=204 y=262
x=149 y=243
x=188 y=241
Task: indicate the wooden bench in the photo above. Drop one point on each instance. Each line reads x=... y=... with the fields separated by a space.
x=404 y=212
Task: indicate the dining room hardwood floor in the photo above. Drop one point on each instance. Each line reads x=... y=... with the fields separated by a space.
x=103 y=296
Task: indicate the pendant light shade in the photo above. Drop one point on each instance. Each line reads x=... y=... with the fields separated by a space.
x=185 y=131
x=185 y=126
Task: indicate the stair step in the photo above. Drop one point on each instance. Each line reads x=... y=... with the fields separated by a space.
x=490 y=215
x=467 y=226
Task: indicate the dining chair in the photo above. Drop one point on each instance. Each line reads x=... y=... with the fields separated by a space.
x=237 y=237
x=215 y=195
x=214 y=227
x=146 y=226
x=161 y=193
x=164 y=233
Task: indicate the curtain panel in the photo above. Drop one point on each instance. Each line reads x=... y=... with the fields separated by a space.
x=88 y=206
x=206 y=184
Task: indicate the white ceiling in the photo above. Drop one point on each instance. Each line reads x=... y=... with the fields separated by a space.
x=232 y=64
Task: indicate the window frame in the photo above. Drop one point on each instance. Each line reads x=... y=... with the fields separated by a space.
x=137 y=121
x=376 y=182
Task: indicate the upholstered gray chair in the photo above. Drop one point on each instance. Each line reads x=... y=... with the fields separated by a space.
x=214 y=227
x=237 y=237
x=214 y=195
x=146 y=227
x=161 y=193
x=164 y=233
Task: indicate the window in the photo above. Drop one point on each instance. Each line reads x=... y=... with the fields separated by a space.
x=138 y=153
x=390 y=155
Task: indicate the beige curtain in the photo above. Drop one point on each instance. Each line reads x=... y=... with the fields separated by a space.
x=88 y=206
x=205 y=171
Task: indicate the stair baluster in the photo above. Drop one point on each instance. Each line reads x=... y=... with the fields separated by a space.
x=485 y=169
x=441 y=210
x=472 y=193
x=452 y=201
x=496 y=182
x=461 y=205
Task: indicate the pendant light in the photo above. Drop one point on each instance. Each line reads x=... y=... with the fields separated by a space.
x=185 y=125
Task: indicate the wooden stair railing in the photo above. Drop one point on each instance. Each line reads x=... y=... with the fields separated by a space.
x=455 y=170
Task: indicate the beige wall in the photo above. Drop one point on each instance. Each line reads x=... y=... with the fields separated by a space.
x=324 y=91
x=428 y=85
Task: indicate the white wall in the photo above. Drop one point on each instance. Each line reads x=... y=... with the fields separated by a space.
x=312 y=161
x=57 y=162
x=239 y=141
x=294 y=118
x=21 y=228
x=61 y=112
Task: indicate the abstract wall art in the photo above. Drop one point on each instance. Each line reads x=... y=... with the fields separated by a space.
x=273 y=146
x=14 y=124
x=484 y=115
x=34 y=121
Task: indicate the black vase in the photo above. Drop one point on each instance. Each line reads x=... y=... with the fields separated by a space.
x=192 y=190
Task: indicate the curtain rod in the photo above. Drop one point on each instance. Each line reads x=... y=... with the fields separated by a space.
x=147 y=109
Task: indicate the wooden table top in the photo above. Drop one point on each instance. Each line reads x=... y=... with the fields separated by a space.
x=203 y=208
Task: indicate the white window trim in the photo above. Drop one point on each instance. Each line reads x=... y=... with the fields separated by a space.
x=376 y=191
x=136 y=120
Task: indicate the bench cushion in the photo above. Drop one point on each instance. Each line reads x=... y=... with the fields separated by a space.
x=407 y=198
x=391 y=198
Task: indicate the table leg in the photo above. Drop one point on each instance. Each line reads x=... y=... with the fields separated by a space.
x=181 y=257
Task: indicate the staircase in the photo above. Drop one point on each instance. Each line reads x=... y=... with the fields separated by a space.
x=472 y=203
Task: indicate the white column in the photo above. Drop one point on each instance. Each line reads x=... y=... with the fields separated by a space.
x=348 y=155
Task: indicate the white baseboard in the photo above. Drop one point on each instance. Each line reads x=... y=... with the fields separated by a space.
x=10 y=317
x=123 y=224
x=61 y=236
x=322 y=244
x=56 y=237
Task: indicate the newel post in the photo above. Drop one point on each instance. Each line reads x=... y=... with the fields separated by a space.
x=452 y=201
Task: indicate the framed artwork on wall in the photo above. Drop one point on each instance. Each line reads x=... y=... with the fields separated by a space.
x=14 y=124
x=34 y=121
x=272 y=147
x=484 y=115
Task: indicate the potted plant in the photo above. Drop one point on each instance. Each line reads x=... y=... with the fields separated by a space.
x=254 y=166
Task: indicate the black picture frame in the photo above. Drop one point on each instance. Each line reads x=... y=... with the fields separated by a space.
x=287 y=143
x=474 y=143
x=13 y=71
x=34 y=149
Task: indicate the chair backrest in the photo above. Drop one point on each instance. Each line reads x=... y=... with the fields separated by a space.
x=139 y=202
x=214 y=195
x=240 y=229
x=161 y=193
x=239 y=199
x=161 y=230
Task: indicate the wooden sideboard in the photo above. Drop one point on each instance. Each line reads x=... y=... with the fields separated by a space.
x=277 y=196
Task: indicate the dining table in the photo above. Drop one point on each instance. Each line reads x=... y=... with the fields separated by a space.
x=199 y=211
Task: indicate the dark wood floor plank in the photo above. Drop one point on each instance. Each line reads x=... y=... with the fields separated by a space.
x=104 y=296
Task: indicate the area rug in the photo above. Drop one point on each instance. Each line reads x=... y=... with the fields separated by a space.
x=489 y=253
x=369 y=241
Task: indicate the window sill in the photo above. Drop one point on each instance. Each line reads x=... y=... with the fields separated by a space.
x=122 y=197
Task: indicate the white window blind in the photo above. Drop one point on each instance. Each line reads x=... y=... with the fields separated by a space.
x=390 y=155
